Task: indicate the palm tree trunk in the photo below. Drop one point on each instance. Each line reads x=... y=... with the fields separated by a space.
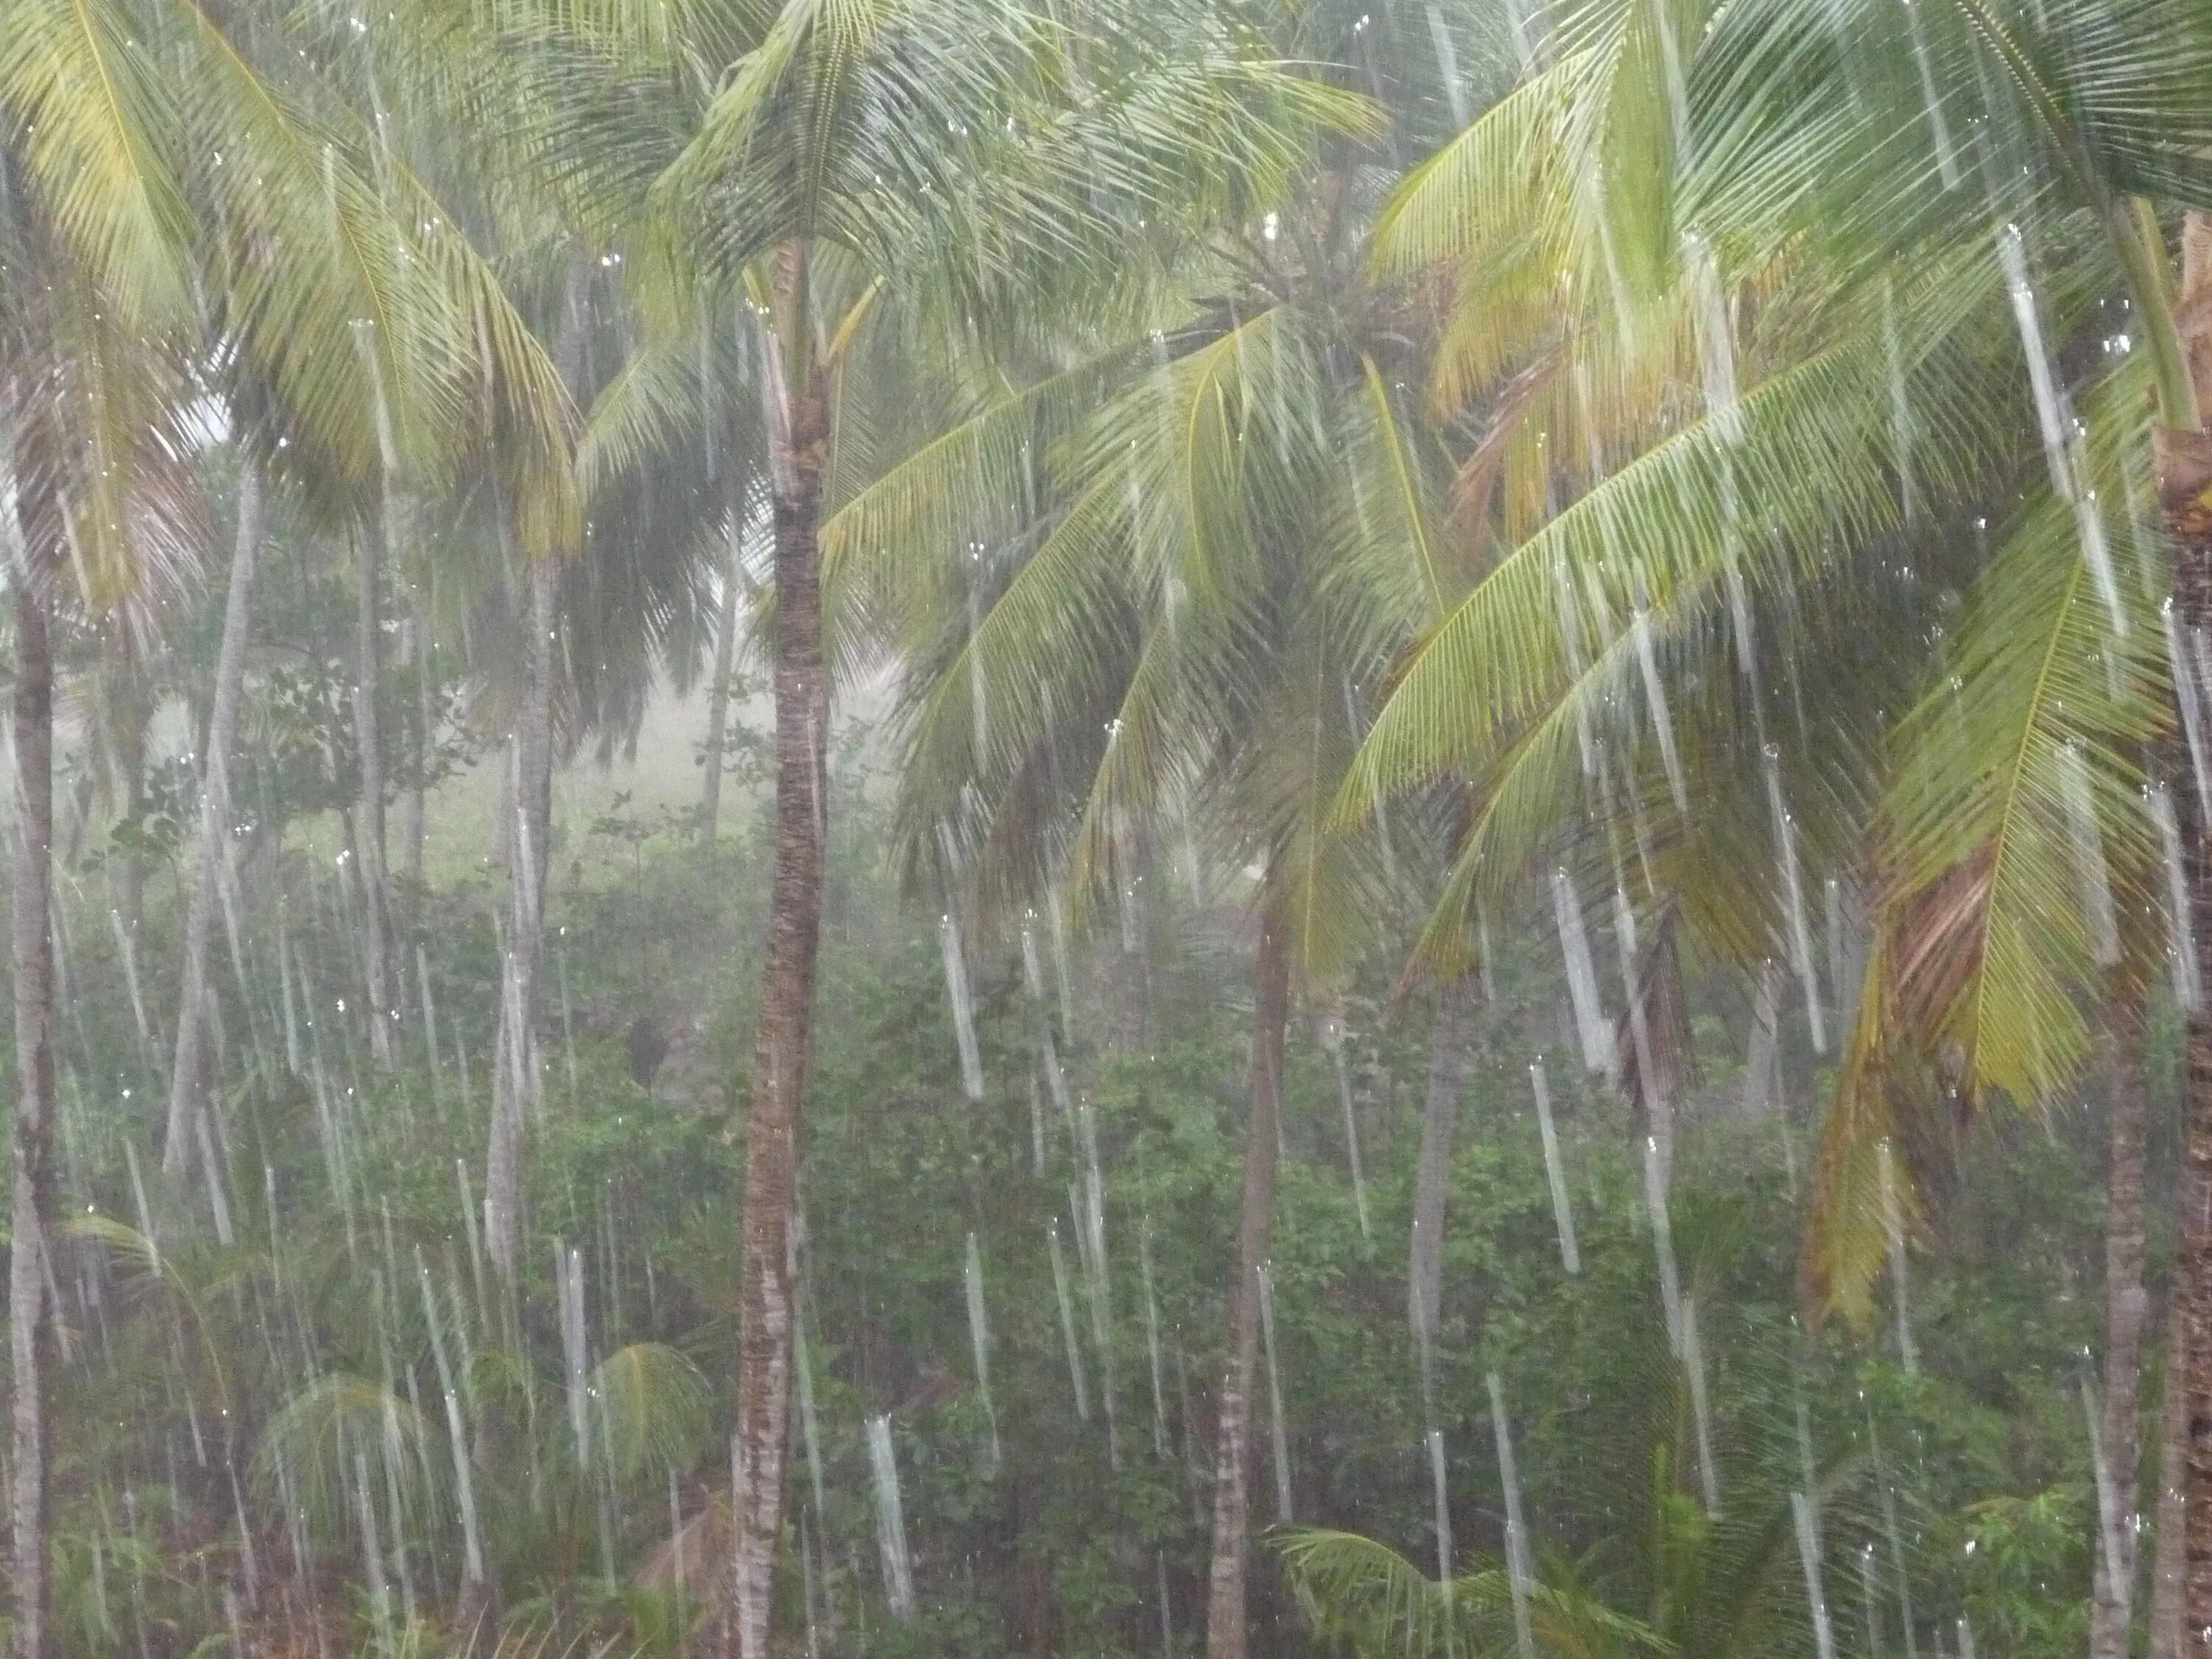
x=717 y=707
x=178 y=1141
x=515 y=1063
x=2167 y=1565
x=799 y=449
x=2185 y=479
x=368 y=627
x=129 y=742
x=30 y=1318
x=2112 y=1616
x=528 y=826
x=418 y=739
x=1448 y=1068
x=1224 y=1614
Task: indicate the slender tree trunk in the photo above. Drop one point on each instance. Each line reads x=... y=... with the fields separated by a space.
x=799 y=446
x=2168 y=1565
x=502 y=839
x=2112 y=1616
x=1225 y=1613
x=369 y=850
x=515 y=1063
x=184 y=1094
x=418 y=739
x=529 y=827
x=129 y=742
x=718 y=706
x=30 y=1316
x=2184 y=477
x=1448 y=1070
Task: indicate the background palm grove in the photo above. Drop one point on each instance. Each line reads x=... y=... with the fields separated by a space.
x=1095 y=827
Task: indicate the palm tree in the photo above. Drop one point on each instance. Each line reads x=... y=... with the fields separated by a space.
x=1230 y=551
x=1197 y=667
x=210 y=858
x=1677 y=1579
x=1363 y=1593
x=112 y=114
x=2017 y=883
x=1909 y=148
x=946 y=172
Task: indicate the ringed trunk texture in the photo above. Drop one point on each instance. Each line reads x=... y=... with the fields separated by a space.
x=798 y=446
x=2112 y=1613
x=515 y=1063
x=29 y=1317
x=718 y=706
x=368 y=627
x=2185 y=481
x=1449 y=1055
x=184 y=1090
x=1225 y=1631
x=2167 y=1565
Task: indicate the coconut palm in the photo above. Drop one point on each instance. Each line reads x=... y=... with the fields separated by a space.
x=1363 y=1593
x=1677 y=1575
x=1169 y=646
x=119 y=121
x=945 y=172
x=1185 y=619
x=1909 y=156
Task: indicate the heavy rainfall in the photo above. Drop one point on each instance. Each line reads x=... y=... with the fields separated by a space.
x=1126 y=829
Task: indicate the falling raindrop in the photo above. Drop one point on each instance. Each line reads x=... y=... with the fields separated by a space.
x=1067 y=1322
x=1590 y=1024
x=1808 y=1558
x=2185 y=660
x=569 y=1285
x=1448 y=66
x=1946 y=163
x=1350 y=1135
x=457 y=1438
x=1437 y=1487
x=2089 y=856
x=1060 y=965
x=1152 y=1339
x=1520 y=1557
x=1555 y=1171
x=1036 y=1126
x=2112 y=1521
x=963 y=1007
x=1662 y=1242
x=1870 y=1601
x=1662 y=723
x=809 y=1423
x=2054 y=421
x=1893 y=1210
x=890 y=1521
x=978 y=1336
x=1801 y=932
x=2186 y=988
x=1278 y=1434
x=1694 y=1362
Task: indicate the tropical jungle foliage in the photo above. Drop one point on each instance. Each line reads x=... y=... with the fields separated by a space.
x=908 y=827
